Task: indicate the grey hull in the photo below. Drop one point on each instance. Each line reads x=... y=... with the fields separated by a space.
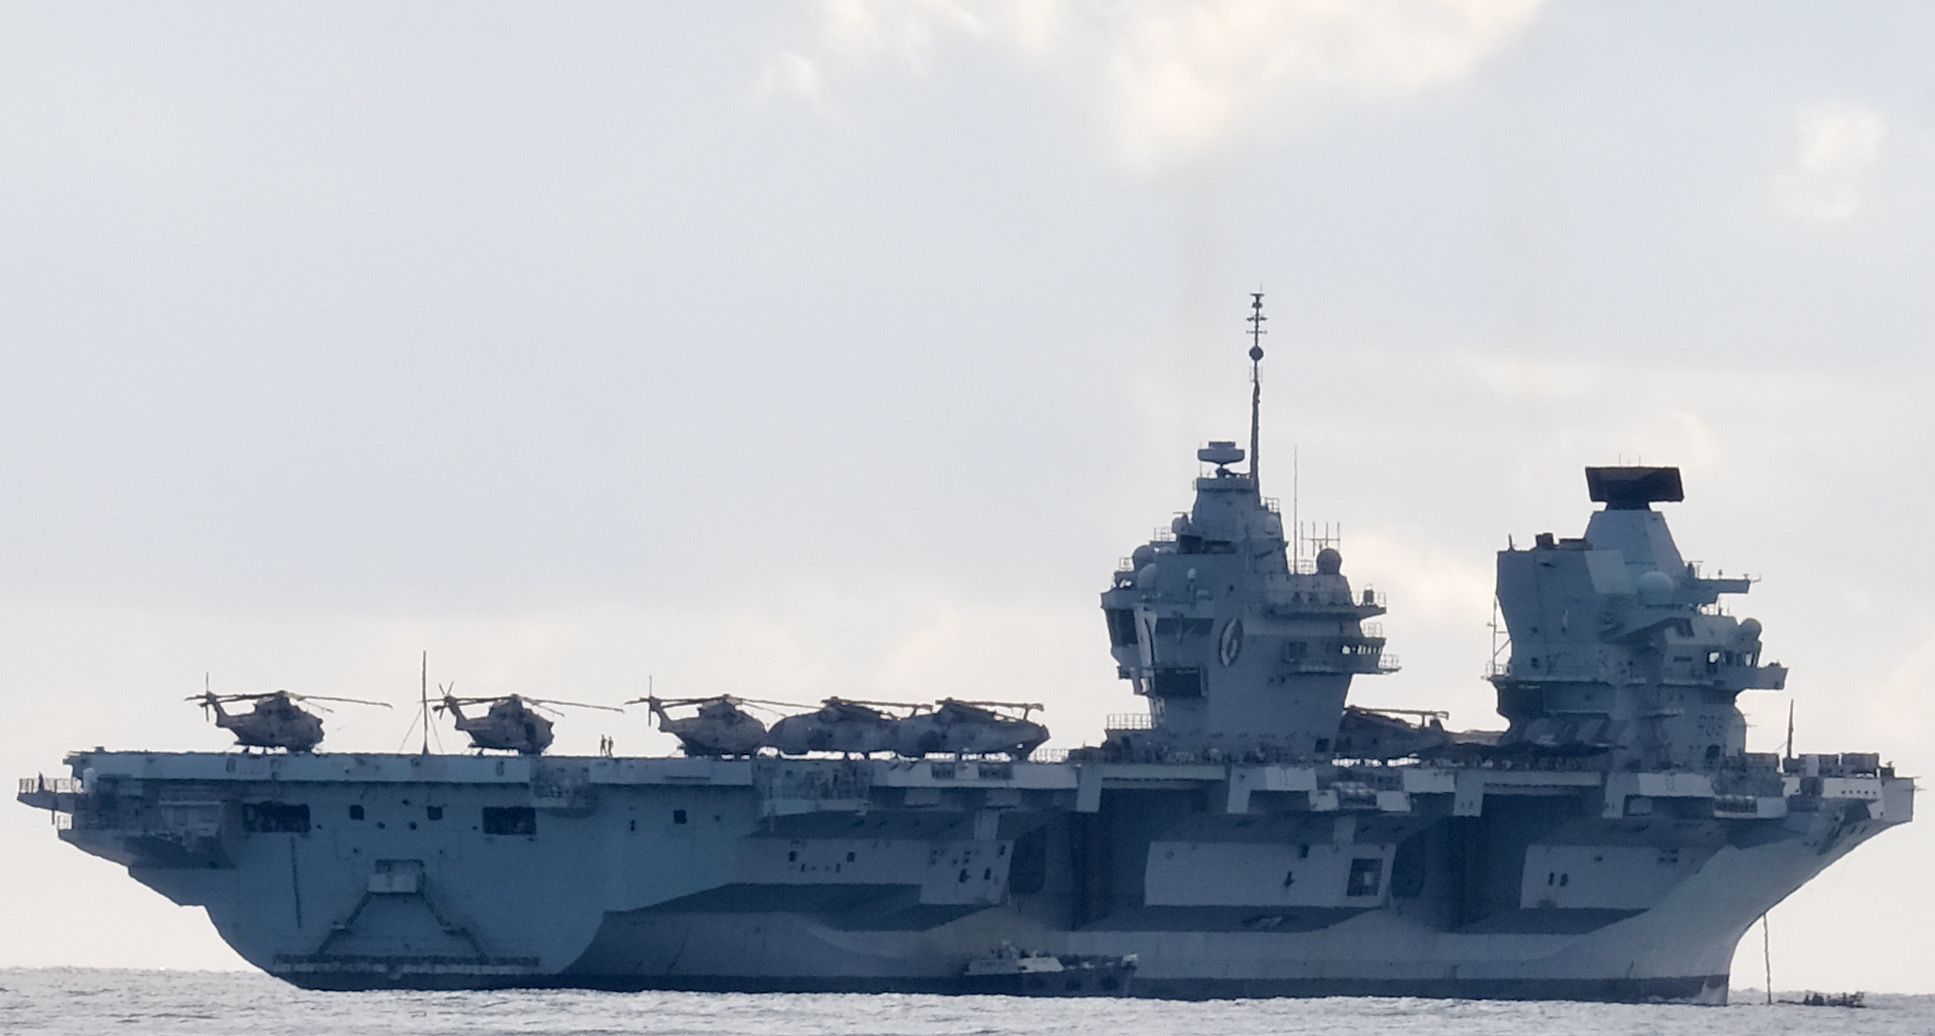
x=1222 y=881
x=1704 y=989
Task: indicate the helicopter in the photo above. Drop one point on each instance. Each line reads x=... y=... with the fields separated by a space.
x=955 y=727
x=838 y=725
x=511 y=723
x=276 y=721
x=1366 y=733
x=720 y=727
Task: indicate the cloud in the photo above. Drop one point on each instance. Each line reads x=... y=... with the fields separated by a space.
x=1527 y=379
x=1171 y=80
x=1837 y=149
x=792 y=74
x=1429 y=582
x=1184 y=77
x=850 y=37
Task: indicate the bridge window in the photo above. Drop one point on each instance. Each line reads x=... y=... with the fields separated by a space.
x=1121 y=626
x=1177 y=682
x=275 y=817
x=510 y=820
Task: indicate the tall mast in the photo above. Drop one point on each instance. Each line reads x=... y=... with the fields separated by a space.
x=423 y=696
x=1255 y=320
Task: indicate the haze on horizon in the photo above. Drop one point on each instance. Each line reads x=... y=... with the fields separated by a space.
x=802 y=349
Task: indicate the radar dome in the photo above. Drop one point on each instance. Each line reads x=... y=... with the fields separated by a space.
x=1329 y=562
x=1145 y=578
x=1655 y=588
x=1142 y=557
x=1749 y=630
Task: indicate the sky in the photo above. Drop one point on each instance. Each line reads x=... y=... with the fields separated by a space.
x=798 y=349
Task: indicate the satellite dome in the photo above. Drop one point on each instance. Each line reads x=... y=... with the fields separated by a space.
x=1329 y=562
x=1749 y=630
x=1655 y=588
x=1142 y=557
x=1145 y=578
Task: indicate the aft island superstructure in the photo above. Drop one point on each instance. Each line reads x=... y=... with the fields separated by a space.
x=1250 y=834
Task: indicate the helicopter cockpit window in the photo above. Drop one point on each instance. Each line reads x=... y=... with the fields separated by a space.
x=510 y=820
x=275 y=817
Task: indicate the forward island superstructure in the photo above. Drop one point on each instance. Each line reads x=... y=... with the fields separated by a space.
x=1251 y=834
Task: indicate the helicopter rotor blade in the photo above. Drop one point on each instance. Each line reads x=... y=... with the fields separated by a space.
x=876 y=704
x=653 y=703
x=733 y=698
x=672 y=703
x=209 y=696
x=572 y=704
x=352 y=701
x=795 y=706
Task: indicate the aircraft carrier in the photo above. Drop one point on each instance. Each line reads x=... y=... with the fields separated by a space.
x=1249 y=834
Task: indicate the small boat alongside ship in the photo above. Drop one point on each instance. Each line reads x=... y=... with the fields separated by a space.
x=1008 y=971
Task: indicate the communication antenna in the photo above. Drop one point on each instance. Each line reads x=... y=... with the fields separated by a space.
x=424 y=697
x=1296 y=524
x=1255 y=320
x=1789 y=754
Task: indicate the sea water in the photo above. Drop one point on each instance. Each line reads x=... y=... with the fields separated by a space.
x=69 y=1002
